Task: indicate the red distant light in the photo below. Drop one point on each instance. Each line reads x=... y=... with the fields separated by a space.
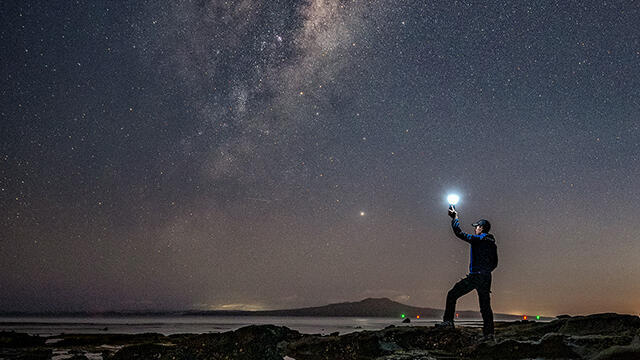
x=524 y=317
x=457 y=316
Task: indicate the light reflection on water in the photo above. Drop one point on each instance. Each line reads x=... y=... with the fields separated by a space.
x=202 y=324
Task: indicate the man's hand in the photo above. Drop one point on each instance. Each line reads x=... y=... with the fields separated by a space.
x=452 y=213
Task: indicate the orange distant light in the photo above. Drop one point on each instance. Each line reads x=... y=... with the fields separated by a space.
x=524 y=317
x=418 y=317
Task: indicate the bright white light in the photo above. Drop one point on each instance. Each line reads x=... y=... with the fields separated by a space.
x=362 y=213
x=453 y=199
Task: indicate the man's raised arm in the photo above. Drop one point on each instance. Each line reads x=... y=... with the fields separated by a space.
x=455 y=224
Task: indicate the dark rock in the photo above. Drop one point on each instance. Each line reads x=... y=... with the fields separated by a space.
x=25 y=353
x=608 y=323
x=383 y=343
x=592 y=345
x=406 y=321
x=631 y=352
x=16 y=340
x=553 y=346
x=362 y=345
x=530 y=331
x=429 y=338
x=600 y=336
x=565 y=338
x=251 y=342
x=599 y=324
x=78 y=357
x=410 y=355
x=563 y=316
x=141 y=351
x=113 y=339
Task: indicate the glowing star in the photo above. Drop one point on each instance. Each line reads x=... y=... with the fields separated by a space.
x=453 y=199
x=362 y=213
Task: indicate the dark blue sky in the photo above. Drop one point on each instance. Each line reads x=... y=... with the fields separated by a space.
x=212 y=154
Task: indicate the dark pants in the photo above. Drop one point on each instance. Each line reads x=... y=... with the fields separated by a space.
x=482 y=284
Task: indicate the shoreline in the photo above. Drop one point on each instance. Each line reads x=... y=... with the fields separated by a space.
x=600 y=336
x=199 y=325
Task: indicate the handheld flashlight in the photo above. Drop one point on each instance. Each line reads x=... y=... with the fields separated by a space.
x=453 y=200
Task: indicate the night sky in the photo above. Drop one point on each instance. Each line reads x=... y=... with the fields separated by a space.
x=196 y=154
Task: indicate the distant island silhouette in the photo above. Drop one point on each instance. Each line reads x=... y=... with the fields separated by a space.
x=370 y=307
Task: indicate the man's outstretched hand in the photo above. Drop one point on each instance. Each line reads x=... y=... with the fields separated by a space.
x=452 y=213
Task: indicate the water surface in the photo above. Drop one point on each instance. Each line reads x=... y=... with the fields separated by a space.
x=47 y=326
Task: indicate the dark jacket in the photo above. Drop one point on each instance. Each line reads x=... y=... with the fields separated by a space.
x=484 y=255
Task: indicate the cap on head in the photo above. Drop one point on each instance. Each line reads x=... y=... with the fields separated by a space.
x=486 y=225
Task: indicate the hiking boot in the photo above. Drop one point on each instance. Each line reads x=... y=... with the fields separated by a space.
x=445 y=325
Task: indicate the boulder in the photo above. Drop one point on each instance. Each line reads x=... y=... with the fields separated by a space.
x=608 y=323
x=552 y=346
x=25 y=353
x=383 y=344
x=13 y=339
x=620 y=352
x=251 y=342
x=141 y=351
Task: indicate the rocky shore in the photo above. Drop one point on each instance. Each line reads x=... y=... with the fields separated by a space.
x=593 y=337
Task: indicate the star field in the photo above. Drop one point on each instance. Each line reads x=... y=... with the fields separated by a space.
x=250 y=154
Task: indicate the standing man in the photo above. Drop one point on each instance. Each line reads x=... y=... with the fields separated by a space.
x=483 y=260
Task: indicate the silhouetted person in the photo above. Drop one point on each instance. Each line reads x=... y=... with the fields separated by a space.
x=483 y=260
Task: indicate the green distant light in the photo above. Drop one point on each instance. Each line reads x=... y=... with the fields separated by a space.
x=537 y=317
x=402 y=316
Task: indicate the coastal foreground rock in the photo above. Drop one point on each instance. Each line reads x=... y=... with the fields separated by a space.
x=593 y=337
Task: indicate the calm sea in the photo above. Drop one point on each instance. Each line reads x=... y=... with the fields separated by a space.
x=200 y=324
